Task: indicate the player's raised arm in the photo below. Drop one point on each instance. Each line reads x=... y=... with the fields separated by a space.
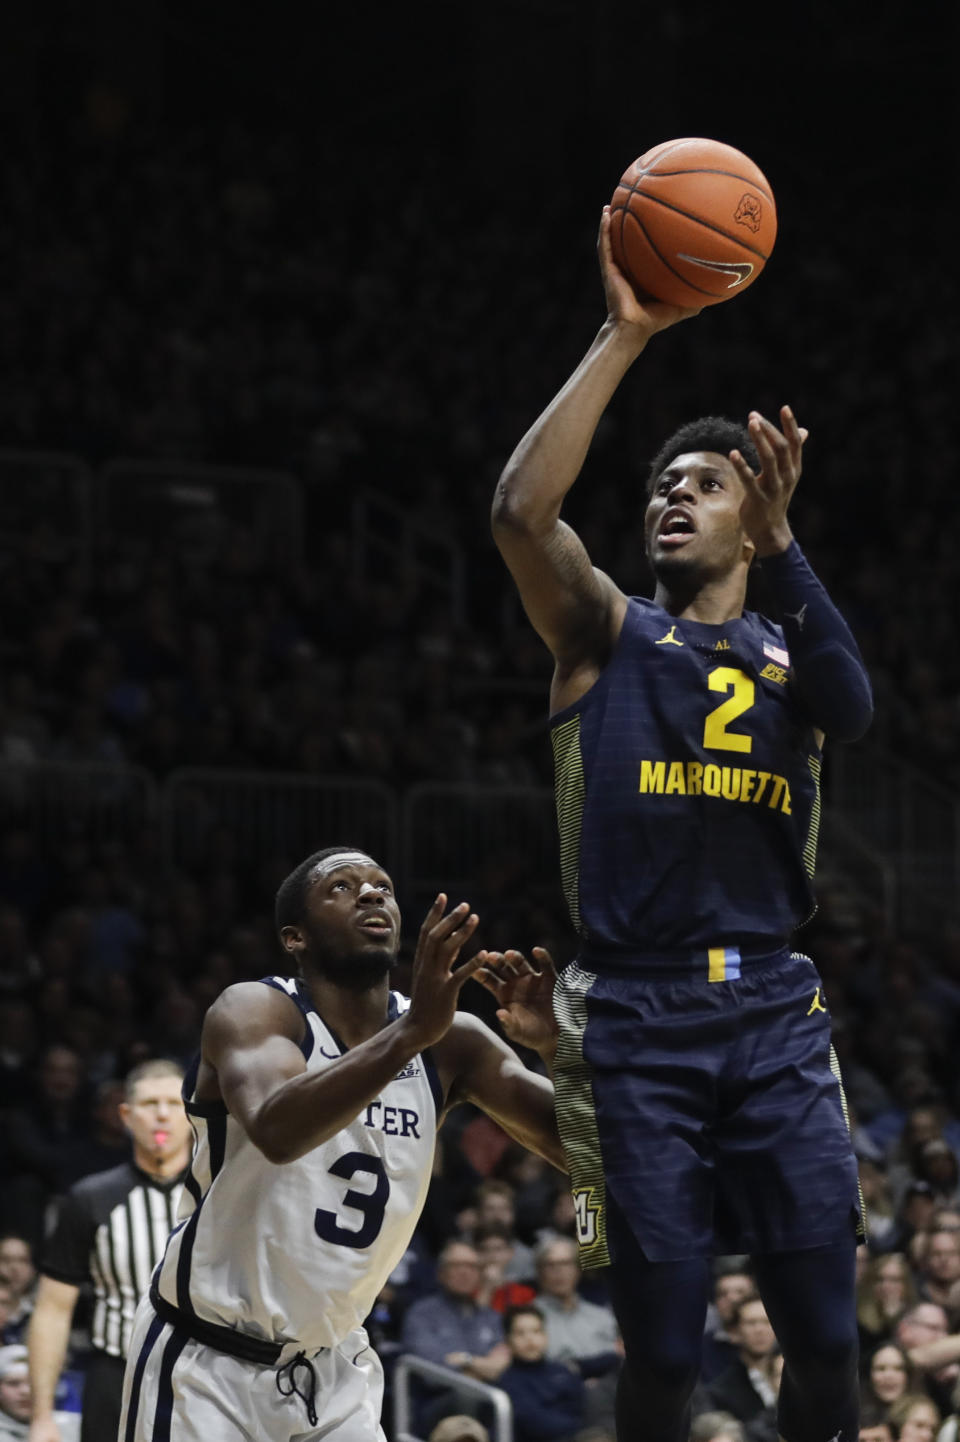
x=827 y=669
x=481 y=1069
x=575 y=608
x=251 y=1040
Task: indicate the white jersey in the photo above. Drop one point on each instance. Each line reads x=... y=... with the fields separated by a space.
x=299 y=1252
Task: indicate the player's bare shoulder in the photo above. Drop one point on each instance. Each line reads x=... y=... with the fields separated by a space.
x=249 y=1010
x=243 y=1017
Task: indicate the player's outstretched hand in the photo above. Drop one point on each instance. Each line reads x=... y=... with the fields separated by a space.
x=436 y=985
x=623 y=304
x=767 y=493
x=524 y=995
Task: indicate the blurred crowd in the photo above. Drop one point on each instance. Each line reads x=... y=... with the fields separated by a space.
x=198 y=302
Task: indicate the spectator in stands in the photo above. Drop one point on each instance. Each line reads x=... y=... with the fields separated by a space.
x=14 y=1393
x=914 y=1418
x=547 y=1397
x=763 y=1427
x=579 y=1332
x=731 y=1284
x=874 y=1426
x=890 y=1375
x=716 y=1427
x=884 y=1293
x=923 y=1333
x=495 y=1246
x=940 y=1266
x=459 y=1429
x=936 y=1164
x=450 y=1326
x=496 y=1206
x=18 y=1273
x=746 y=1387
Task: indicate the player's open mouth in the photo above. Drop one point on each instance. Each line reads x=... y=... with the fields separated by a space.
x=676 y=528
x=376 y=926
x=161 y=1138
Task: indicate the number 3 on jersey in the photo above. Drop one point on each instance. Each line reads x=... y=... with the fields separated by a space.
x=370 y=1205
x=716 y=737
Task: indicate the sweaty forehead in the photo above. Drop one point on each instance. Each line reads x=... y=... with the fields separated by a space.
x=694 y=462
x=353 y=863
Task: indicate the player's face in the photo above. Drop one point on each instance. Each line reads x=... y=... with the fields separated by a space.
x=692 y=526
x=351 y=932
x=155 y=1118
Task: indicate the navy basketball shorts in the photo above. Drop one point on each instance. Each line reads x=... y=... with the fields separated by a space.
x=702 y=1094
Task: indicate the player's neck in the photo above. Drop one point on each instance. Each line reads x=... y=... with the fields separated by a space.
x=354 y=1016
x=713 y=600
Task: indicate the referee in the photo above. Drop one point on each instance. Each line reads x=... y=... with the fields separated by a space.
x=110 y=1230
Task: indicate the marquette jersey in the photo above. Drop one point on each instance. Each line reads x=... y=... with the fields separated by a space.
x=687 y=787
x=299 y=1252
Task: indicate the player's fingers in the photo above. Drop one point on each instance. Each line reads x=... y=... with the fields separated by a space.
x=795 y=434
x=517 y=963
x=490 y=980
x=771 y=457
x=433 y=915
x=451 y=945
x=451 y=922
x=466 y=971
x=545 y=962
x=746 y=473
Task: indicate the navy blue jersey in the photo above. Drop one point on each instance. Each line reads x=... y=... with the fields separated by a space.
x=687 y=783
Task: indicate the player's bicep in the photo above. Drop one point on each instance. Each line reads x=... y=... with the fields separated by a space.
x=570 y=604
x=252 y=1047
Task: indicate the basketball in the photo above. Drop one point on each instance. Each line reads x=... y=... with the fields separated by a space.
x=693 y=222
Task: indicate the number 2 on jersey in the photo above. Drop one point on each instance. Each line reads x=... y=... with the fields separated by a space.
x=370 y=1205
x=716 y=737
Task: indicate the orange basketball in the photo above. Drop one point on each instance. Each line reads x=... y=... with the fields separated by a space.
x=693 y=222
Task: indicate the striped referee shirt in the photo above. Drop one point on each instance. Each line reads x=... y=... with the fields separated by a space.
x=110 y=1230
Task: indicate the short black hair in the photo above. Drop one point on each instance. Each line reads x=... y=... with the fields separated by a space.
x=709 y=433
x=522 y=1309
x=290 y=906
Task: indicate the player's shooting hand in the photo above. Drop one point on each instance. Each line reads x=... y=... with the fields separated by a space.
x=624 y=306
x=436 y=985
x=767 y=493
x=524 y=996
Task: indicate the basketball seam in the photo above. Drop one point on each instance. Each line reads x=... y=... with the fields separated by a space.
x=707 y=225
x=707 y=170
x=691 y=285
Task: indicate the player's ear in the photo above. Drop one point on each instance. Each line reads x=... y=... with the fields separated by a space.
x=123 y=1112
x=291 y=939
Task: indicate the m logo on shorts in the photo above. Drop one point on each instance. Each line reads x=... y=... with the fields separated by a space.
x=587 y=1214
